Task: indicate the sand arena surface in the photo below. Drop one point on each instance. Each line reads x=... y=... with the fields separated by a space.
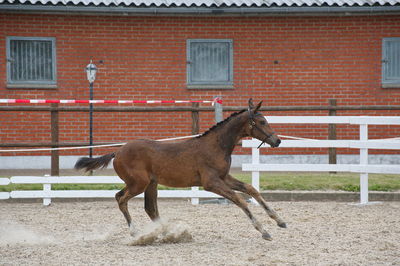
x=95 y=233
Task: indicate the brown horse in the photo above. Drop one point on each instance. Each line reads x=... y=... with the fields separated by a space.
x=202 y=161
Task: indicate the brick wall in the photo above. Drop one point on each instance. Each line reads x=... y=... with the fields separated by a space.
x=282 y=60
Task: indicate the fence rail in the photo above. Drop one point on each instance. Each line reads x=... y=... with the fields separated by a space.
x=47 y=193
x=363 y=144
x=54 y=110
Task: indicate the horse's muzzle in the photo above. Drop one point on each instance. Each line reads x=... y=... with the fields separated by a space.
x=277 y=143
x=274 y=144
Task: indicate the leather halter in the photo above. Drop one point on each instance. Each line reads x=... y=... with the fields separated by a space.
x=252 y=124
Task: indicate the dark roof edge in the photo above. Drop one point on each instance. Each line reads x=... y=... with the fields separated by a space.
x=118 y=10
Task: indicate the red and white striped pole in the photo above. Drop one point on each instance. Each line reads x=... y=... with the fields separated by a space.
x=39 y=101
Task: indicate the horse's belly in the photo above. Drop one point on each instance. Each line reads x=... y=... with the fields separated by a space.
x=175 y=168
x=178 y=180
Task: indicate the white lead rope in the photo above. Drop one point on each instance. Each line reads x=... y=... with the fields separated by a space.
x=167 y=139
x=93 y=146
x=298 y=138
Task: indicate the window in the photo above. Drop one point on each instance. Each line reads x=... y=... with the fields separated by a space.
x=391 y=63
x=31 y=62
x=210 y=64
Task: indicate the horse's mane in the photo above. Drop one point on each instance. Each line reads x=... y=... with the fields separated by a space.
x=219 y=124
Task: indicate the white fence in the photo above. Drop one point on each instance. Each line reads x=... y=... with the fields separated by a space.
x=47 y=193
x=363 y=144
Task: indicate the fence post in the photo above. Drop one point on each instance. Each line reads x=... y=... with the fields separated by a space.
x=332 y=134
x=255 y=175
x=218 y=110
x=195 y=119
x=46 y=191
x=363 y=162
x=5 y=181
x=195 y=200
x=195 y=130
x=55 y=159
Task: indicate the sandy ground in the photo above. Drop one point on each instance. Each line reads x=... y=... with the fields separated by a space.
x=95 y=233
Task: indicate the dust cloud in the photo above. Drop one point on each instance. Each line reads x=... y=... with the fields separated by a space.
x=162 y=231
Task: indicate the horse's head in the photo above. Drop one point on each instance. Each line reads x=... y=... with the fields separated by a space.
x=259 y=128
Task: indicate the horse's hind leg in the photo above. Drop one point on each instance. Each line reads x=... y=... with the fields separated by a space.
x=150 y=201
x=217 y=186
x=251 y=191
x=122 y=198
x=131 y=190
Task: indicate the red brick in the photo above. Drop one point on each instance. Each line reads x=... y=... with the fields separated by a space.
x=145 y=58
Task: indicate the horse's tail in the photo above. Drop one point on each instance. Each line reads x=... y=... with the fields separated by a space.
x=90 y=164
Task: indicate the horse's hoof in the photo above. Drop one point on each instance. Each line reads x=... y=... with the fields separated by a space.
x=282 y=225
x=267 y=236
x=132 y=230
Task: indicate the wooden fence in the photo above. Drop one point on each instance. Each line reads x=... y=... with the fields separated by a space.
x=54 y=110
x=218 y=109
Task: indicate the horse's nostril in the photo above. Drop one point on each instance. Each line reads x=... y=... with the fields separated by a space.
x=278 y=142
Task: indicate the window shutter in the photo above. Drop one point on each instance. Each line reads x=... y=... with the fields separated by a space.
x=391 y=60
x=31 y=60
x=210 y=62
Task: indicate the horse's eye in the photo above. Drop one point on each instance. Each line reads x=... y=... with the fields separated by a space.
x=262 y=122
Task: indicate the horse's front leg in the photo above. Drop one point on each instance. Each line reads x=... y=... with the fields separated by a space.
x=237 y=185
x=217 y=186
x=150 y=201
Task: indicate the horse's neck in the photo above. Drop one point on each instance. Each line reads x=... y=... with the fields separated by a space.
x=229 y=135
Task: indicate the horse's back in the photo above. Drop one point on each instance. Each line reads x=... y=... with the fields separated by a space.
x=171 y=163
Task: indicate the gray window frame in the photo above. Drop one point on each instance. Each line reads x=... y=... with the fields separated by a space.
x=386 y=81
x=208 y=84
x=31 y=83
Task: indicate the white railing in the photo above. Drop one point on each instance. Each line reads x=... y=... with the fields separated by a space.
x=47 y=193
x=363 y=144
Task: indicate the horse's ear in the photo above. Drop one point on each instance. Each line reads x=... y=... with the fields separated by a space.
x=251 y=105
x=258 y=107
